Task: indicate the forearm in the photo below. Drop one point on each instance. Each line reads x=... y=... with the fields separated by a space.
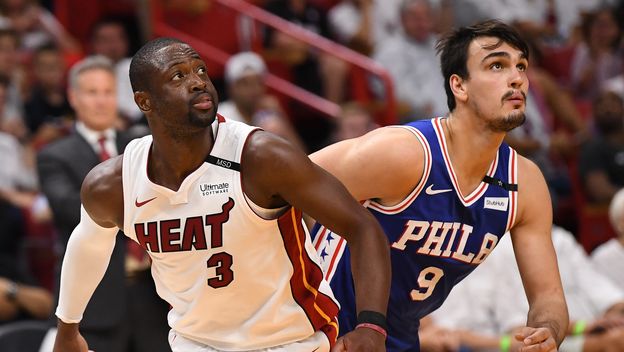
x=551 y=314
x=477 y=342
x=88 y=252
x=34 y=300
x=370 y=264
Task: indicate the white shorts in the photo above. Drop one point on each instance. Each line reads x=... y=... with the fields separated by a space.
x=317 y=343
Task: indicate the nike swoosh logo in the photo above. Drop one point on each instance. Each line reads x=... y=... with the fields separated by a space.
x=140 y=204
x=430 y=191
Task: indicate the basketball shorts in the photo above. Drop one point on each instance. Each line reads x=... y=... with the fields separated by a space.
x=317 y=342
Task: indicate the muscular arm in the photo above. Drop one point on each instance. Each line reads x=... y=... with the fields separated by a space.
x=535 y=254
x=274 y=173
x=89 y=248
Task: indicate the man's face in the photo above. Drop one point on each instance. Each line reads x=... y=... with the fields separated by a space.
x=181 y=93
x=110 y=40
x=49 y=69
x=247 y=91
x=94 y=98
x=497 y=85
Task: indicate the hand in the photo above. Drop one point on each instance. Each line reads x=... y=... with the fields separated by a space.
x=68 y=339
x=76 y=344
x=361 y=339
x=536 y=340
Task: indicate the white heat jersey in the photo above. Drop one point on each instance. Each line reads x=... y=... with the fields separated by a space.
x=234 y=280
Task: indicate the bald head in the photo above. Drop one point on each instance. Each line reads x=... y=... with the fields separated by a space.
x=616 y=212
x=146 y=59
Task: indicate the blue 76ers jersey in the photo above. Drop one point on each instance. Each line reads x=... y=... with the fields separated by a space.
x=437 y=236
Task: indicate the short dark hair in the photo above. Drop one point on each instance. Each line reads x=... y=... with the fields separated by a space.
x=453 y=49
x=143 y=61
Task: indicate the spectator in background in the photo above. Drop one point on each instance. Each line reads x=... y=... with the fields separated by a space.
x=47 y=111
x=597 y=58
x=498 y=305
x=553 y=20
x=249 y=101
x=18 y=182
x=20 y=298
x=601 y=160
x=109 y=37
x=354 y=121
x=35 y=26
x=413 y=64
x=609 y=257
x=125 y=313
x=306 y=65
x=12 y=114
x=363 y=24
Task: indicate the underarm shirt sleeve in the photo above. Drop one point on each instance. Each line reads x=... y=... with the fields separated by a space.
x=87 y=256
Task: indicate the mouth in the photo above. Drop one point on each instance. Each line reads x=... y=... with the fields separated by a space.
x=203 y=102
x=516 y=99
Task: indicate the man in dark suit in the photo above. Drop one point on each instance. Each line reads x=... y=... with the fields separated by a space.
x=125 y=313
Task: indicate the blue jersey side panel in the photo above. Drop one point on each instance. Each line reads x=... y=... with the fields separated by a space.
x=437 y=237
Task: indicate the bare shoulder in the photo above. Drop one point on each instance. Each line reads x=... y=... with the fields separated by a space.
x=268 y=165
x=533 y=198
x=265 y=151
x=529 y=175
x=384 y=164
x=102 y=193
x=388 y=148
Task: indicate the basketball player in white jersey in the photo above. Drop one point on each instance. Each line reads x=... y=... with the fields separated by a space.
x=446 y=189
x=214 y=202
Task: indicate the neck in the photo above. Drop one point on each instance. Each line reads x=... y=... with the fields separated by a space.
x=472 y=146
x=172 y=158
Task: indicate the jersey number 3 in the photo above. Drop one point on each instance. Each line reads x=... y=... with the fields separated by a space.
x=222 y=262
x=427 y=280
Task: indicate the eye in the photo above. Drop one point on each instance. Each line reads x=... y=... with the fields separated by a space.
x=201 y=70
x=496 y=66
x=521 y=67
x=177 y=76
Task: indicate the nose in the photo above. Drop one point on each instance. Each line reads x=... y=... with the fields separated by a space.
x=517 y=79
x=197 y=83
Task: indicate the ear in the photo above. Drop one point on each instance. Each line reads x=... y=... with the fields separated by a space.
x=458 y=86
x=142 y=100
x=71 y=97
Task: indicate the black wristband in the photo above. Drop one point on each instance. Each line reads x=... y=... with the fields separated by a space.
x=370 y=317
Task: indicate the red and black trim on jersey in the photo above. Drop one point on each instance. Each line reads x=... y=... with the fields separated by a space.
x=321 y=309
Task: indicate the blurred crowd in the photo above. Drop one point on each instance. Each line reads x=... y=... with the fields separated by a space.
x=66 y=104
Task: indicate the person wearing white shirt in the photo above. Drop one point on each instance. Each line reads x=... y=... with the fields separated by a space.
x=609 y=257
x=249 y=102
x=413 y=64
x=363 y=24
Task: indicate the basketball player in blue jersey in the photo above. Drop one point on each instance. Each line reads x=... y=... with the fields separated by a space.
x=445 y=190
x=213 y=201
